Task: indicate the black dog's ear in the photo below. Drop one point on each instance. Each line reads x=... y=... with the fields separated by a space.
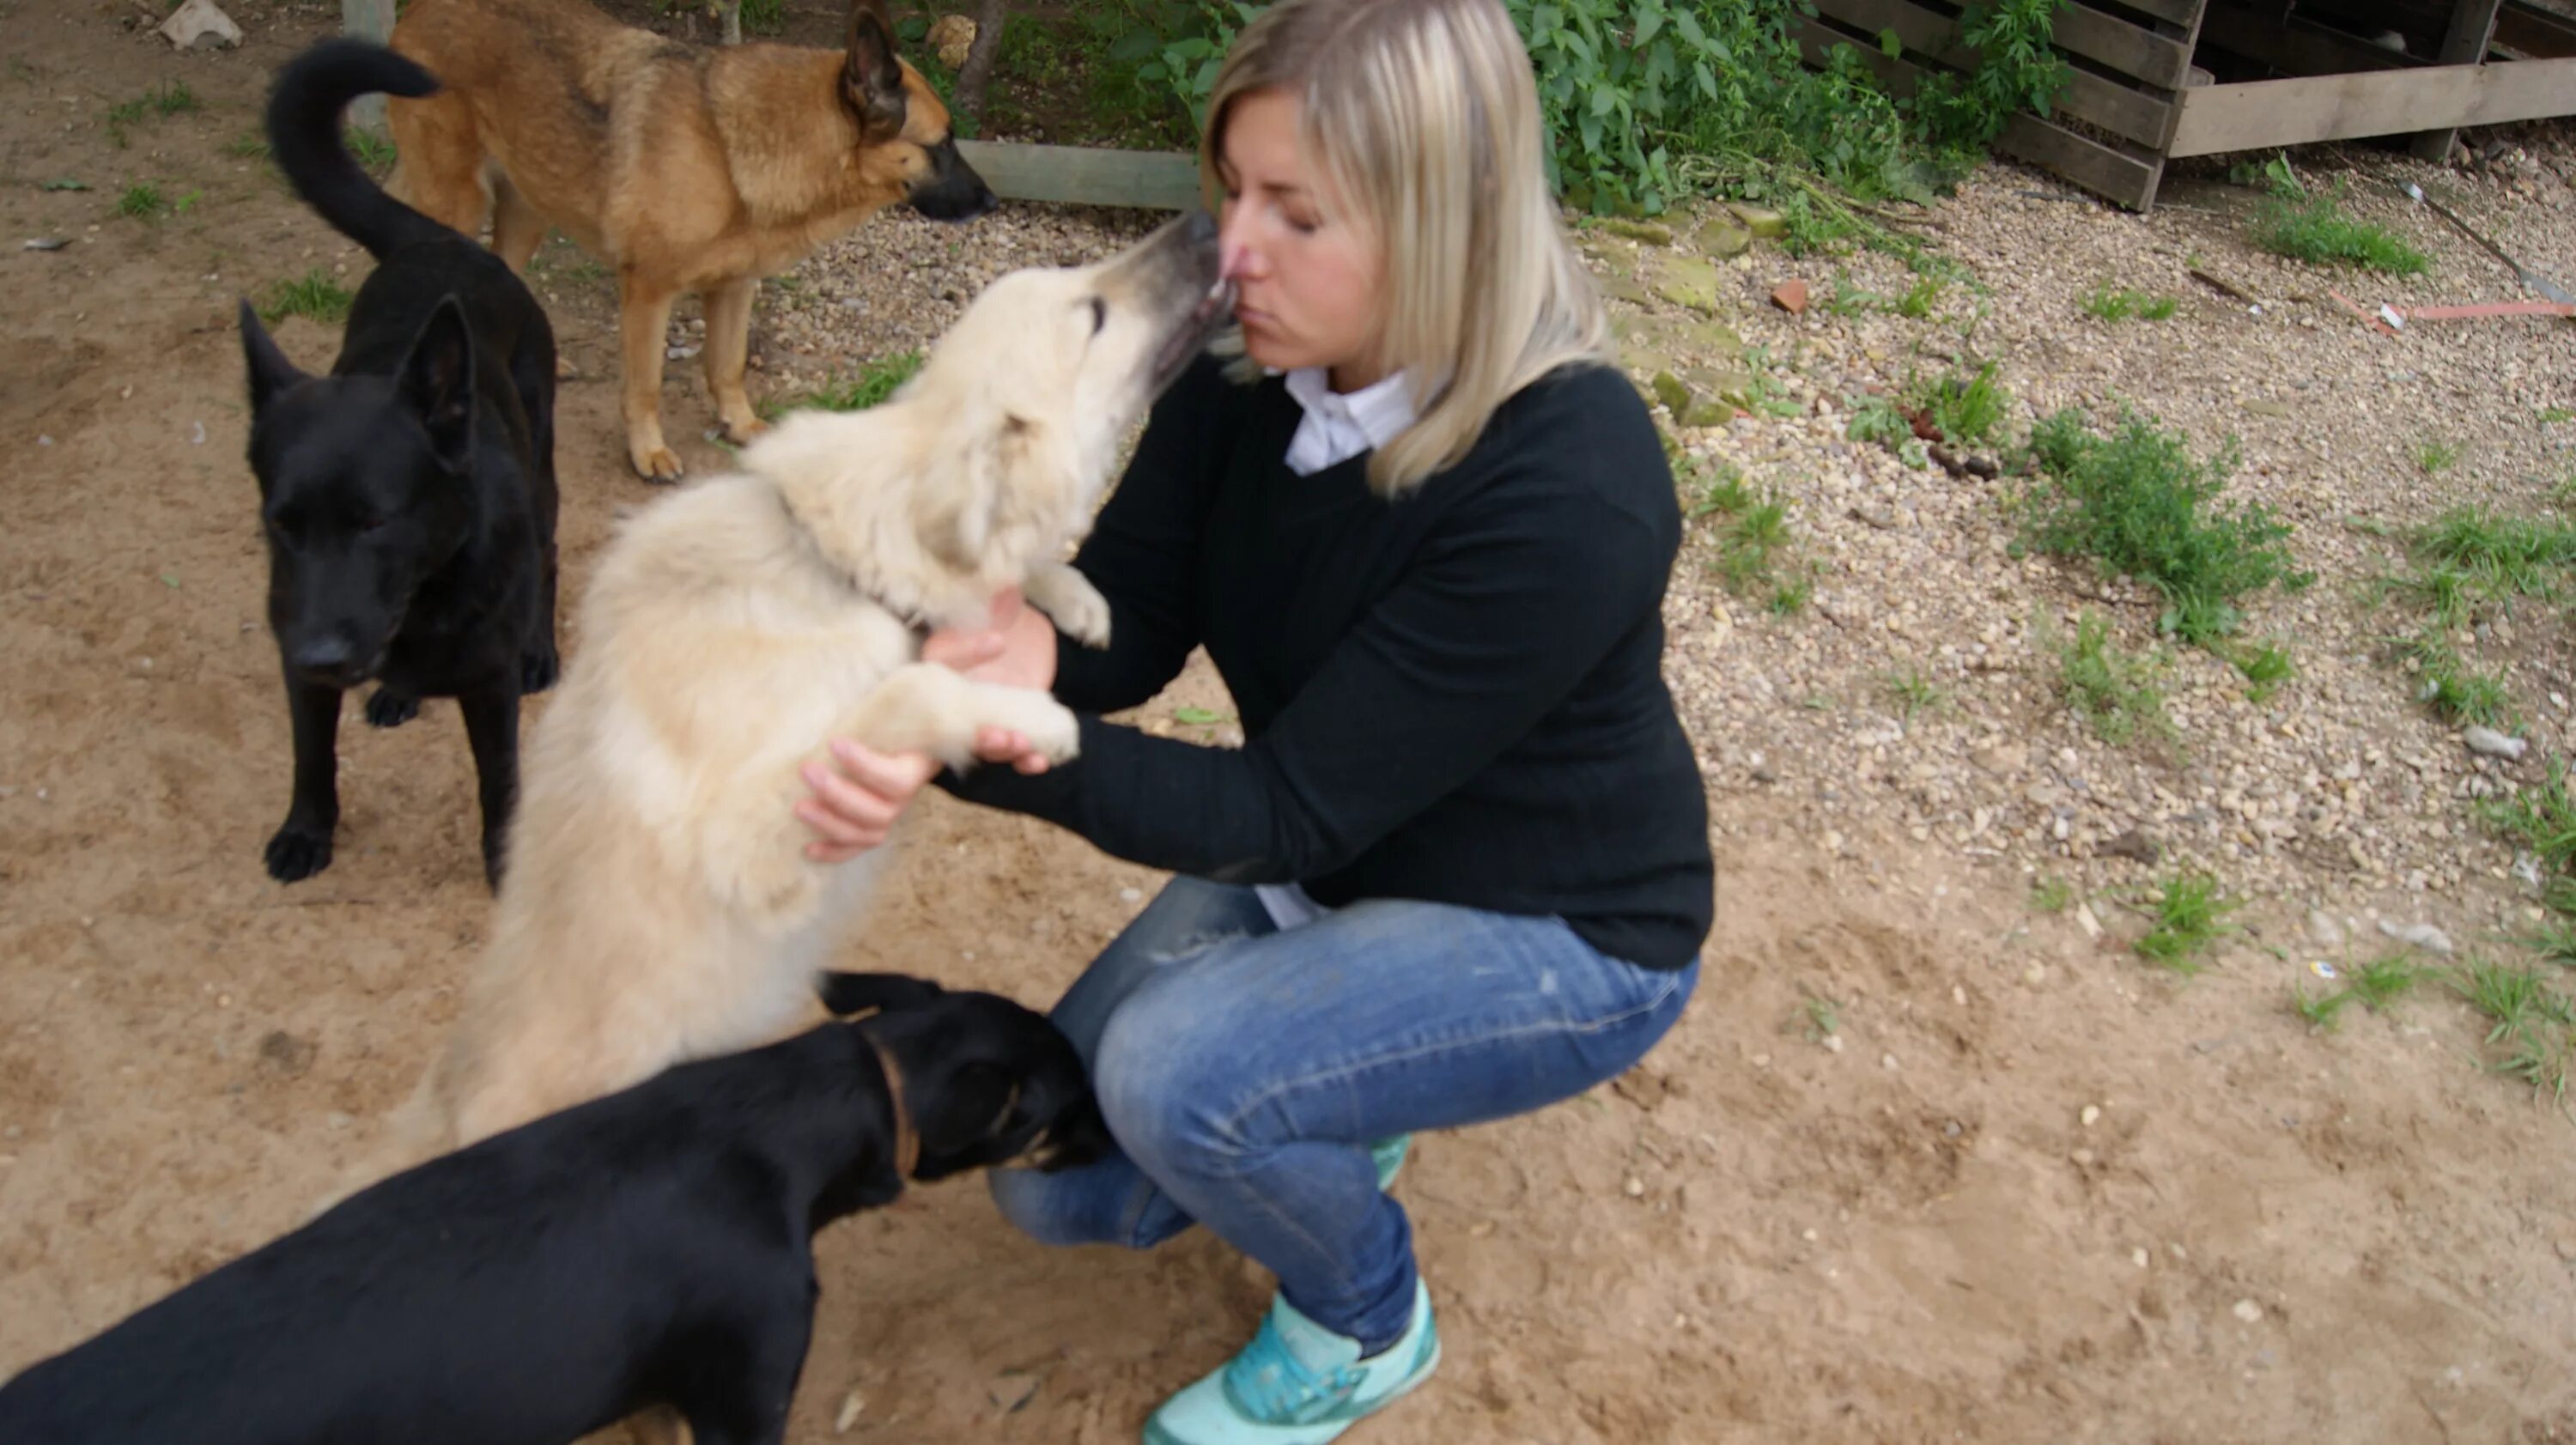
x=845 y=994
x=437 y=383
x=871 y=76
x=271 y=374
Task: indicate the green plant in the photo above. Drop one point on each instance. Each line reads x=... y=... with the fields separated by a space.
x=2265 y=666
x=866 y=387
x=1724 y=490
x=1970 y=411
x=2457 y=694
x=1913 y=692
x=2552 y=415
x=1750 y=541
x=2320 y=1011
x=2137 y=501
x=2305 y=226
x=142 y=201
x=2051 y=894
x=2115 y=693
x=1878 y=419
x=2190 y=915
x=2123 y=303
x=2383 y=981
x=2530 y=1021
x=313 y=294
x=250 y=145
x=1919 y=299
x=376 y=153
x=2541 y=818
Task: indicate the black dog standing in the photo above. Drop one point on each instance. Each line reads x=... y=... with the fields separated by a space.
x=651 y=1250
x=409 y=496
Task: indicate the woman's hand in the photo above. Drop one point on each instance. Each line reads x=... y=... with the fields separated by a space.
x=857 y=799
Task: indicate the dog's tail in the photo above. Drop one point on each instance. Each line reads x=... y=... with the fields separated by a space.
x=303 y=123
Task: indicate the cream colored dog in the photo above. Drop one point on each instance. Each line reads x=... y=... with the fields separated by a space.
x=657 y=904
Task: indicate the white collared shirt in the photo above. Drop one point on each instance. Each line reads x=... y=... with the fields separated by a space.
x=1338 y=426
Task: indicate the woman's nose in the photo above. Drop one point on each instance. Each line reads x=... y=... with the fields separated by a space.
x=1237 y=257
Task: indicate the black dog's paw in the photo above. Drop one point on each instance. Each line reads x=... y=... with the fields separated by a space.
x=538 y=670
x=387 y=708
x=298 y=853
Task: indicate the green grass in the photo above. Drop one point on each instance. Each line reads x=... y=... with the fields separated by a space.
x=1752 y=532
x=2476 y=554
x=2051 y=894
x=250 y=145
x=1920 y=298
x=1790 y=597
x=143 y=201
x=2457 y=693
x=2116 y=693
x=2190 y=914
x=864 y=388
x=2320 y=1010
x=2137 y=502
x=2531 y=1026
x=2434 y=456
x=2552 y=415
x=1968 y=410
x=2375 y=985
x=1723 y=489
x=314 y=295
x=2122 y=303
x=2541 y=818
x=1913 y=693
x=162 y=101
x=1750 y=543
x=2266 y=667
x=2310 y=227
x=376 y=152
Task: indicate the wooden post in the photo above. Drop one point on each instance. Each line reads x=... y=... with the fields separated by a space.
x=2473 y=25
x=371 y=20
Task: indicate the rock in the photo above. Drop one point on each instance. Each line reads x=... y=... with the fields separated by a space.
x=2492 y=743
x=2323 y=930
x=1723 y=239
x=2002 y=760
x=1693 y=402
x=2422 y=935
x=1691 y=282
x=2091 y=1115
x=2261 y=407
x=1635 y=1188
x=1650 y=232
x=1764 y=224
x=2085 y=920
x=1790 y=296
x=200 y=25
x=2248 y=1311
x=2136 y=843
x=851 y=1404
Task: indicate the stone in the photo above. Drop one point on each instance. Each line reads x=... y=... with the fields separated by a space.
x=200 y=25
x=1651 y=233
x=1723 y=239
x=1690 y=282
x=1766 y=225
x=1790 y=296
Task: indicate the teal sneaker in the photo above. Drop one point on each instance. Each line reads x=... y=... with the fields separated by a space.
x=1297 y=1383
x=1388 y=1154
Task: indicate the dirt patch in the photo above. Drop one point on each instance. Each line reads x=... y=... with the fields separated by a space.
x=1903 y=1227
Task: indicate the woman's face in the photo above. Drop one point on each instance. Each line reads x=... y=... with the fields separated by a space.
x=1307 y=278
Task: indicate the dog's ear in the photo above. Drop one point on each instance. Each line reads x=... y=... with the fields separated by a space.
x=437 y=383
x=845 y=994
x=987 y=490
x=271 y=374
x=871 y=76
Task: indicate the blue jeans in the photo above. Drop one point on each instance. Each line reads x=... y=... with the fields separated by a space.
x=1244 y=1070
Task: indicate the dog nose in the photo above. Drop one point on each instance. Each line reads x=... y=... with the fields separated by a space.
x=323 y=659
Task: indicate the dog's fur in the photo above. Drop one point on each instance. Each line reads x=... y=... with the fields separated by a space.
x=659 y=904
x=408 y=497
x=647 y=1251
x=682 y=170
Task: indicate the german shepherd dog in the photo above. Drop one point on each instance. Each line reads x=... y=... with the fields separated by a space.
x=408 y=497
x=682 y=170
x=649 y=1251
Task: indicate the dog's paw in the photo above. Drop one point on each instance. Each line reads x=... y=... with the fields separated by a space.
x=1054 y=733
x=297 y=853
x=657 y=464
x=538 y=670
x=387 y=708
x=743 y=430
x=1071 y=603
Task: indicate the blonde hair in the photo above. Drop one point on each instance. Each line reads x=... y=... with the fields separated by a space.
x=1423 y=118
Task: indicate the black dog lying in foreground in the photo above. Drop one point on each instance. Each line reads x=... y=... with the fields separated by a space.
x=651 y=1248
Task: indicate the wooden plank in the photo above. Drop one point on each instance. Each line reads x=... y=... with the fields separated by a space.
x=2117 y=108
x=2129 y=49
x=370 y=20
x=1087 y=175
x=2180 y=12
x=2534 y=31
x=2298 y=48
x=2472 y=27
x=2124 y=179
x=2263 y=113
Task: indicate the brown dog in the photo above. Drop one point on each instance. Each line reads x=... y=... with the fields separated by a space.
x=683 y=170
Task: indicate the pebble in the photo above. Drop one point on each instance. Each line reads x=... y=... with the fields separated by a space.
x=1887 y=1061
x=2138 y=1257
x=2248 y=1311
x=2422 y=935
x=2492 y=743
x=848 y=1415
x=2092 y=1115
x=1635 y=1187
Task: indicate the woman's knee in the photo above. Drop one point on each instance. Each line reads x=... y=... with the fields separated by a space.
x=1165 y=1073
x=1045 y=1207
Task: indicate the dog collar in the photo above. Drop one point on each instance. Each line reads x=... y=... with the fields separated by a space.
x=907 y=1144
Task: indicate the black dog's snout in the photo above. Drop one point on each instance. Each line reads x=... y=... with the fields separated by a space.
x=327 y=659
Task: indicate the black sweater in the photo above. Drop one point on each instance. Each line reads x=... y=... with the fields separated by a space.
x=1455 y=696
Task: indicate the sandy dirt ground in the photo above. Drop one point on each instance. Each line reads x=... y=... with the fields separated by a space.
x=2030 y=1193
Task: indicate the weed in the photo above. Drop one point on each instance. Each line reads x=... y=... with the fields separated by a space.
x=376 y=153
x=1968 y=412
x=871 y=384
x=65 y=183
x=1750 y=541
x=2190 y=915
x=1878 y=419
x=2433 y=456
x=2383 y=981
x=1790 y=598
x=2305 y=226
x=2495 y=557
x=1914 y=693
x=2552 y=415
x=2051 y=894
x=2555 y=938
x=2528 y=1020
x=250 y=145
x=2265 y=666
x=2541 y=818
x=2137 y=501
x=1724 y=491
x=1823 y=1015
x=1919 y=299
x=313 y=294
x=2458 y=695
x=171 y=98
x=2321 y=1010
x=2114 y=692
x=166 y=100
x=2123 y=303
x=142 y=201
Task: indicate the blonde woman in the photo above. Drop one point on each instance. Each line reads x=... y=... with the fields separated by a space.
x=1459 y=869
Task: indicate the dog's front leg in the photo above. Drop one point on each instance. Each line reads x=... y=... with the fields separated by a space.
x=749 y=1406
x=1070 y=601
x=728 y=309
x=302 y=847
x=492 y=729
x=643 y=318
x=925 y=707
